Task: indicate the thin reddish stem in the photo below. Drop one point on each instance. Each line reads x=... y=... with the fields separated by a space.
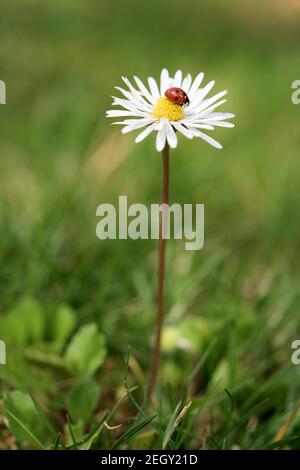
x=160 y=272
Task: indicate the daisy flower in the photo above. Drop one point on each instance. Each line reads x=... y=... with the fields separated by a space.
x=176 y=104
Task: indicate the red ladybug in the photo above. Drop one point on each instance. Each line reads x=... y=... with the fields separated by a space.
x=177 y=96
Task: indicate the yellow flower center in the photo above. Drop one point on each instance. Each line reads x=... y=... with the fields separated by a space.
x=164 y=108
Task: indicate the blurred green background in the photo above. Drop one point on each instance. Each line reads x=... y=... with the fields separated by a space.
x=60 y=159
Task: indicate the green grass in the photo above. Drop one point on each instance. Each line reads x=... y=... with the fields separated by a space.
x=235 y=303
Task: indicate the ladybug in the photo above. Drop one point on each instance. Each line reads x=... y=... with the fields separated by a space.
x=177 y=96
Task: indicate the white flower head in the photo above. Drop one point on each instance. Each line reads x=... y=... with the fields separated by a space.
x=185 y=109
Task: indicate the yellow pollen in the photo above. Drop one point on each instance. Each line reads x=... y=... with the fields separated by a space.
x=164 y=108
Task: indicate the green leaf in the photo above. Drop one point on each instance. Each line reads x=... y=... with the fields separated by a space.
x=25 y=420
x=43 y=355
x=83 y=399
x=25 y=323
x=62 y=323
x=86 y=351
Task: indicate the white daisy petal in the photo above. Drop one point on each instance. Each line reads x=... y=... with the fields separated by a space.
x=138 y=99
x=186 y=83
x=127 y=122
x=164 y=81
x=126 y=93
x=130 y=105
x=192 y=125
x=205 y=104
x=153 y=88
x=161 y=136
x=208 y=139
x=177 y=79
x=195 y=85
x=200 y=94
x=221 y=116
x=120 y=113
x=171 y=136
x=146 y=132
x=161 y=140
x=184 y=131
x=221 y=124
x=144 y=90
x=207 y=111
x=132 y=90
x=136 y=125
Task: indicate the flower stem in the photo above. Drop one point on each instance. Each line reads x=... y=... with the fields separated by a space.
x=160 y=272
